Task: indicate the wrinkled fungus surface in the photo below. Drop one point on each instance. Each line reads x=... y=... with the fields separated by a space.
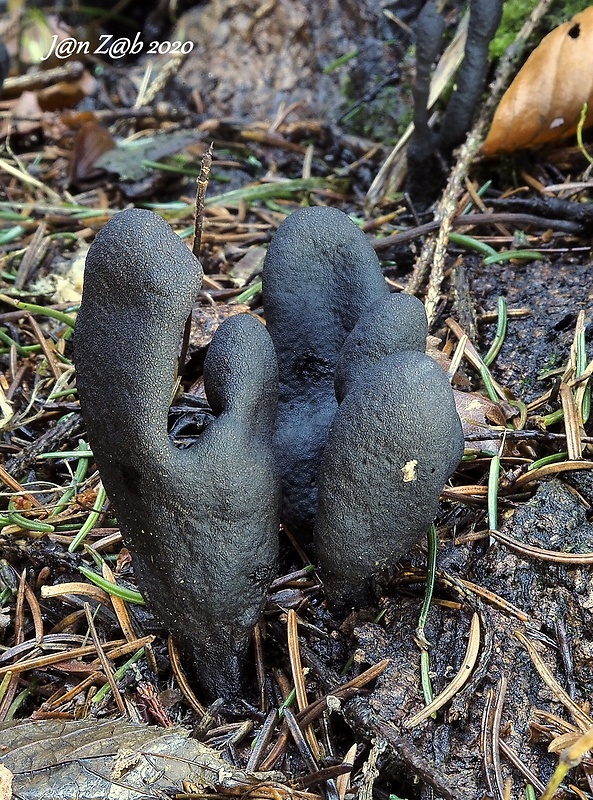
x=394 y=442
x=201 y=522
x=484 y=19
x=395 y=323
x=320 y=273
x=363 y=478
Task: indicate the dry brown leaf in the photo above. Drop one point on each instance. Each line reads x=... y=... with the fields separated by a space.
x=90 y=143
x=475 y=412
x=206 y=319
x=58 y=759
x=544 y=102
x=66 y=94
x=5 y=783
x=25 y=116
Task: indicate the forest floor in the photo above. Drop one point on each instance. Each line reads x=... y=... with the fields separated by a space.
x=508 y=640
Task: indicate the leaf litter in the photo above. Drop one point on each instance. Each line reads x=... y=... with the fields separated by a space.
x=519 y=685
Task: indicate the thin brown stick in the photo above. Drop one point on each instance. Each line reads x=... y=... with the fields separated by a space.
x=298 y=678
x=33 y=604
x=127 y=647
x=321 y=776
x=472 y=221
x=495 y=734
x=9 y=695
x=582 y=719
x=277 y=750
x=182 y=681
x=119 y=606
x=458 y=682
x=550 y=469
x=433 y=254
x=299 y=739
x=50 y=659
x=81 y=686
x=521 y=766
x=201 y=189
x=79 y=588
x=71 y=71
x=45 y=347
x=105 y=663
x=33 y=256
x=260 y=667
x=486 y=740
x=574 y=445
x=316 y=709
x=19 y=617
x=262 y=740
x=530 y=551
x=281 y=742
x=13 y=484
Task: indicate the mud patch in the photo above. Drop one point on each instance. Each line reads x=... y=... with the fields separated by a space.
x=554 y=292
x=250 y=59
x=551 y=604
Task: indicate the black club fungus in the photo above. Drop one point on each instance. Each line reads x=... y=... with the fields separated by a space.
x=363 y=478
x=394 y=441
x=201 y=522
x=319 y=275
x=395 y=323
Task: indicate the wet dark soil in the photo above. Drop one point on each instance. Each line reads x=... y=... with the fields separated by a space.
x=553 y=291
x=553 y=604
x=252 y=60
